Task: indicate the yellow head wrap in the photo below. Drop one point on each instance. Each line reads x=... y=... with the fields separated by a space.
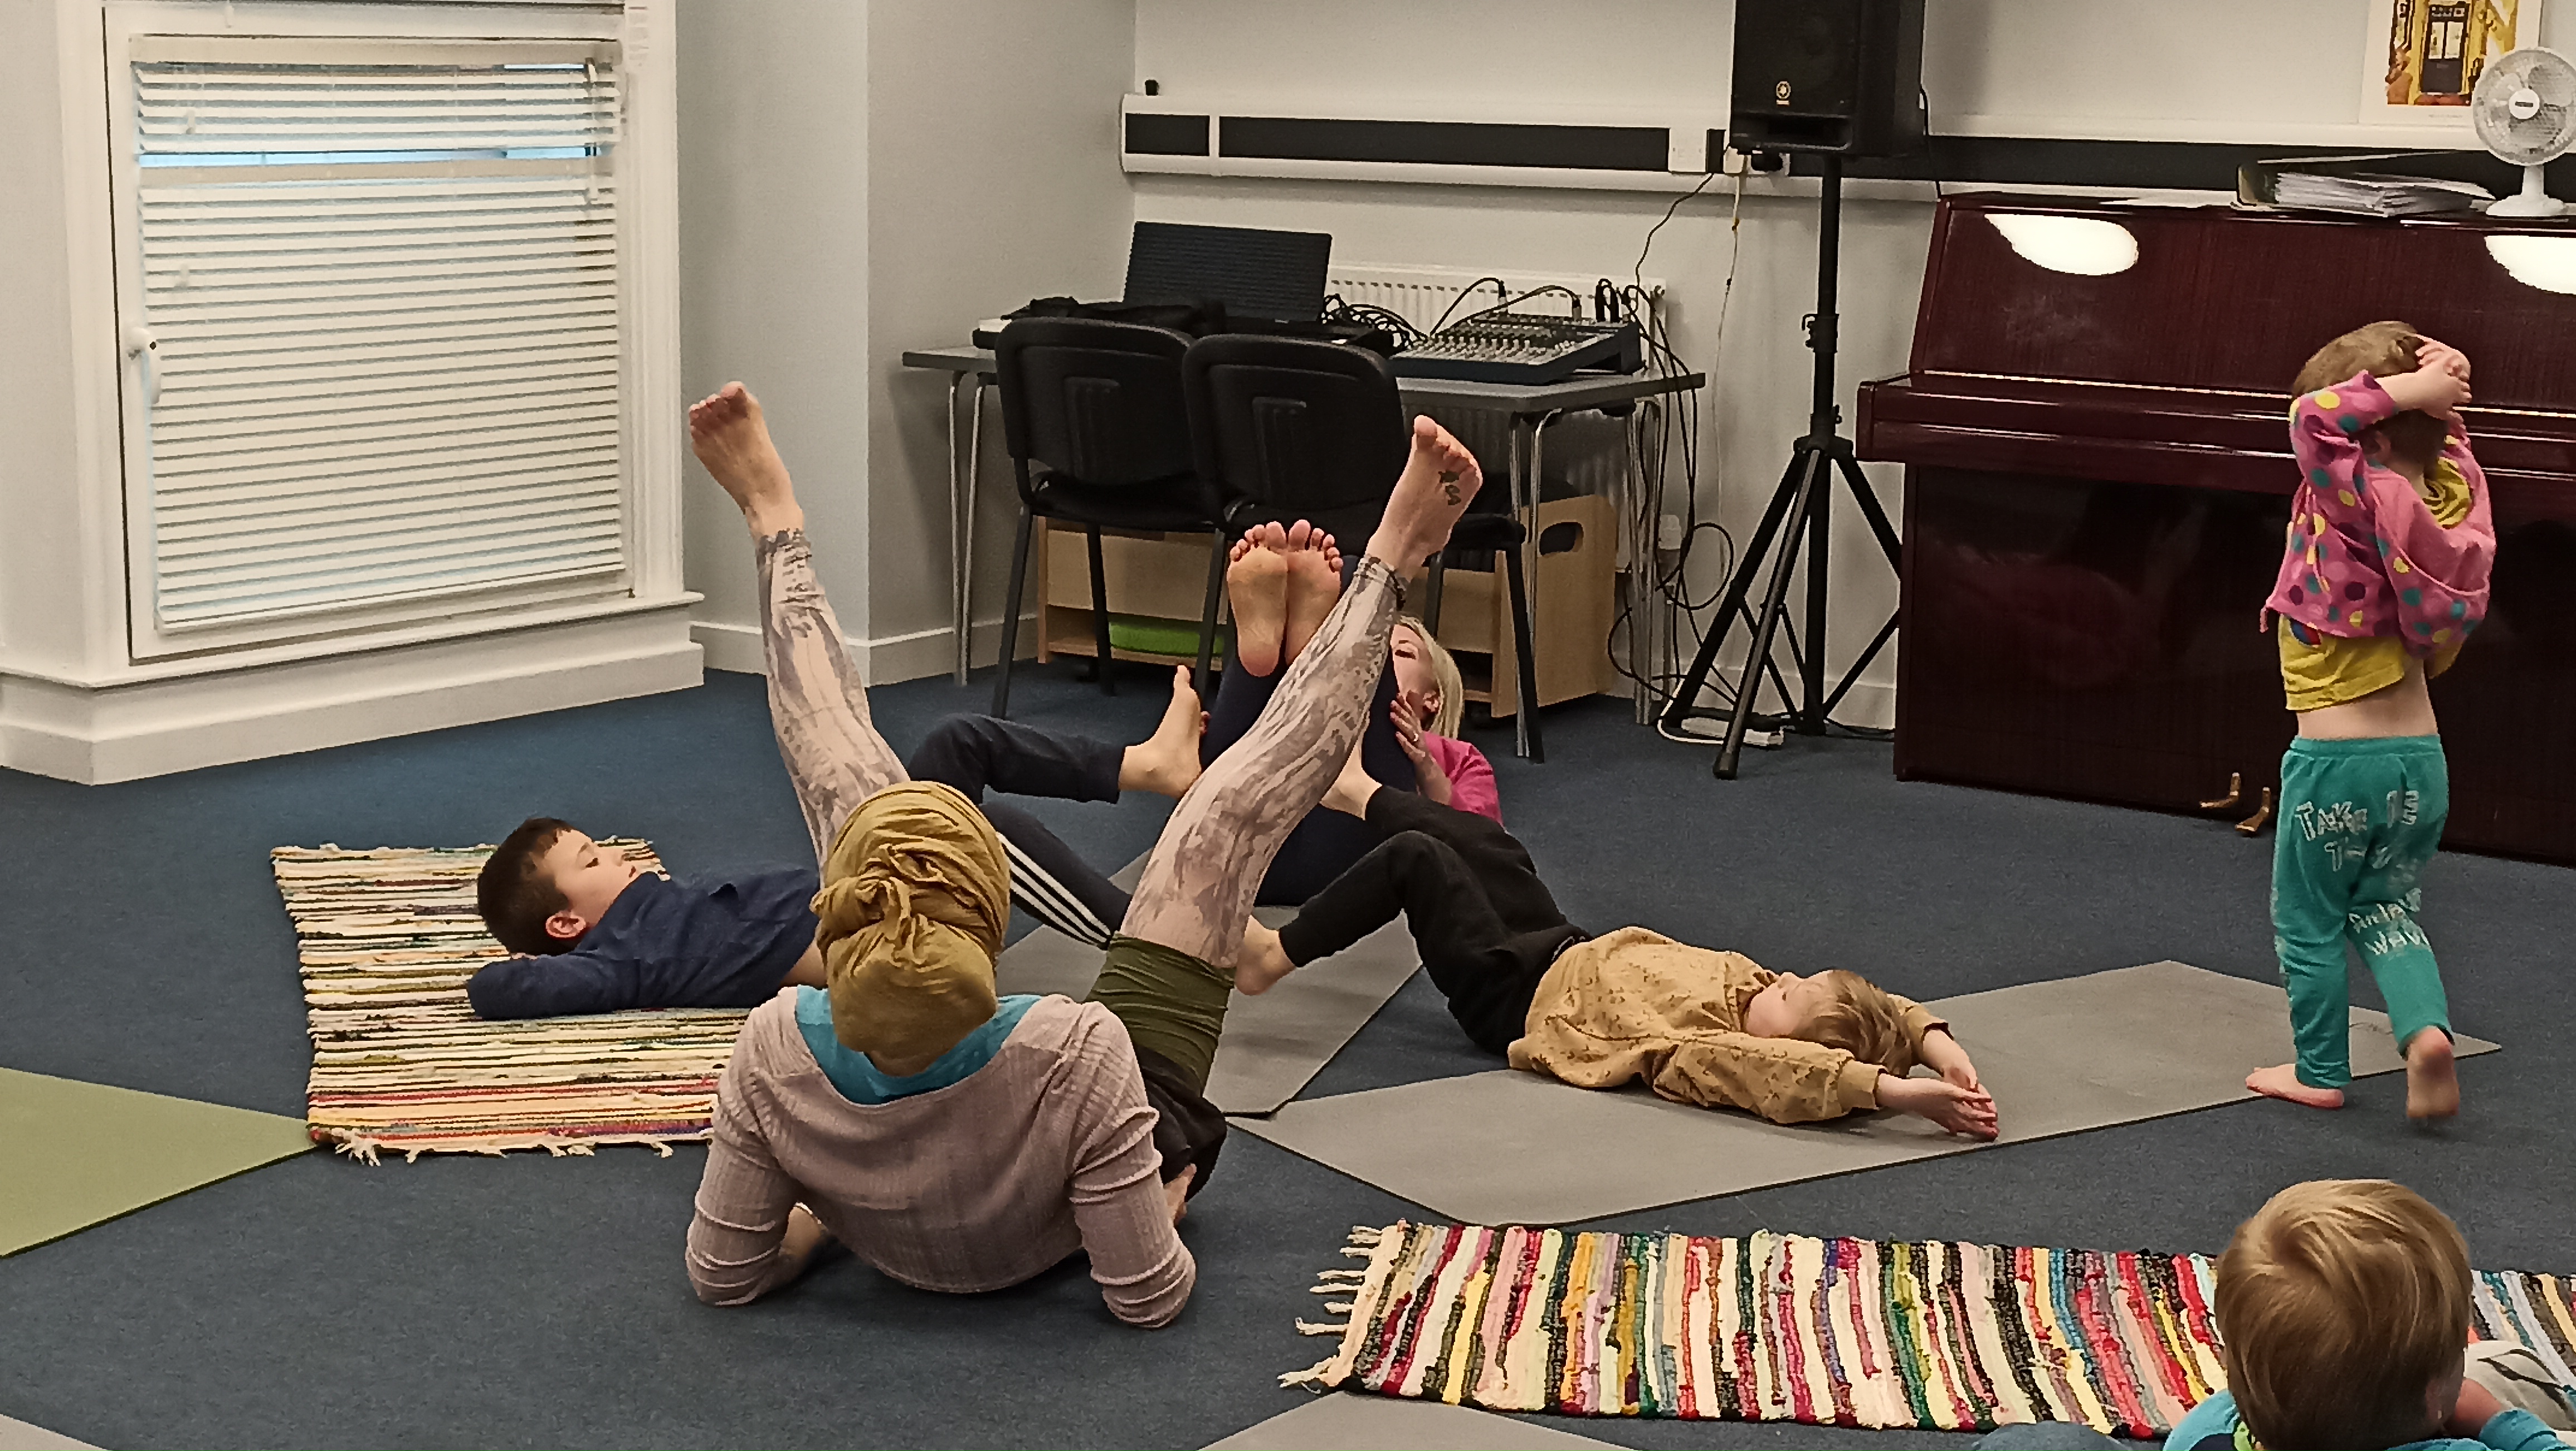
x=915 y=895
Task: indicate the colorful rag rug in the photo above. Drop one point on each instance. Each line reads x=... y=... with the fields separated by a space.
x=1842 y=1332
x=386 y=940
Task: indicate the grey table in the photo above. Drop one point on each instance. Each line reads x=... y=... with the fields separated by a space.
x=1532 y=407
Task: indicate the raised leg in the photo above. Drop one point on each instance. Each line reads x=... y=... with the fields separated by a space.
x=1200 y=881
x=818 y=705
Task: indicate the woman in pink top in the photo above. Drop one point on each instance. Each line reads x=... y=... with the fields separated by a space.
x=952 y=1139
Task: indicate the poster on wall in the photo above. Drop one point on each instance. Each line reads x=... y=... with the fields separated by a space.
x=2422 y=57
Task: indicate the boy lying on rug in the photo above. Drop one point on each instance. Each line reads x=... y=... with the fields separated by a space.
x=955 y=1140
x=1698 y=1026
x=594 y=934
x=2343 y=1307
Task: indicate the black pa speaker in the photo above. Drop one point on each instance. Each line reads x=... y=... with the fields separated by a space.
x=1837 y=76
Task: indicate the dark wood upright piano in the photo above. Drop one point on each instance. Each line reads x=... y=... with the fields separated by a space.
x=2098 y=477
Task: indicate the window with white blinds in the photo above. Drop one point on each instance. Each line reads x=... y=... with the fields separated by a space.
x=380 y=287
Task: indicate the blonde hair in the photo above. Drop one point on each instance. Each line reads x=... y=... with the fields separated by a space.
x=1859 y=1017
x=2383 y=350
x=1444 y=678
x=2339 y=1304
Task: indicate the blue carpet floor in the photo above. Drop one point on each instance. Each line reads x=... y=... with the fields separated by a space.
x=534 y=1302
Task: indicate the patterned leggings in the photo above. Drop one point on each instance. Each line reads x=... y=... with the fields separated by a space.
x=817 y=703
x=1199 y=884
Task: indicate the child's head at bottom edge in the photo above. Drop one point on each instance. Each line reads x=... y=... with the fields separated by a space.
x=2344 y=1307
x=2383 y=350
x=546 y=884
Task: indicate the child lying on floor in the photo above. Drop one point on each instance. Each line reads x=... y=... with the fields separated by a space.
x=593 y=933
x=1697 y=1026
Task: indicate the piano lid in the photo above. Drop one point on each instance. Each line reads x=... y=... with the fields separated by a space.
x=2158 y=344
x=2235 y=301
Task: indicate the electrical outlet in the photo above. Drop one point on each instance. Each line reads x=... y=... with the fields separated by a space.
x=1668 y=532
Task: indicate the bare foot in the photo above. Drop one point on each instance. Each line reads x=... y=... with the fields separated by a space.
x=1350 y=792
x=1314 y=583
x=1256 y=590
x=1261 y=962
x=1439 y=478
x=2282 y=1082
x=2432 y=1080
x=1167 y=762
x=731 y=437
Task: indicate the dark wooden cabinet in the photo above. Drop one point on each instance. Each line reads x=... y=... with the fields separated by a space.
x=2099 y=477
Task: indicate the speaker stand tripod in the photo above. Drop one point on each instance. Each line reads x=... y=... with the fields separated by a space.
x=1803 y=507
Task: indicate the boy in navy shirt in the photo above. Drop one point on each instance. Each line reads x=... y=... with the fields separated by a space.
x=594 y=933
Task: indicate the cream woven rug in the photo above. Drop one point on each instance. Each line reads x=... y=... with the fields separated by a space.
x=386 y=939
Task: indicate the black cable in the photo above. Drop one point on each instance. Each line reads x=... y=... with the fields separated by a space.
x=1639 y=275
x=1463 y=294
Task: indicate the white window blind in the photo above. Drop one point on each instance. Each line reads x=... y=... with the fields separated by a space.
x=381 y=287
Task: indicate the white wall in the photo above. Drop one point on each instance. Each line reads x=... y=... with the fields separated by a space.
x=993 y=178
x=2285 y=70
x=773 y=283
x=42 y=620
x=862 y=178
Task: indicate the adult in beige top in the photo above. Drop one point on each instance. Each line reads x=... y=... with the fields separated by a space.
x=953 y=1140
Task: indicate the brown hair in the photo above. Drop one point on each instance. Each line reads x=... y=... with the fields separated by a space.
x=2339 y=1304
x=514 y=895
x=2383 y=350
x=1859 y=1017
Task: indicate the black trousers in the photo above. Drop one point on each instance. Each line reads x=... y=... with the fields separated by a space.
x=1485 y=924
x=1049 y=880
x=1326 y=842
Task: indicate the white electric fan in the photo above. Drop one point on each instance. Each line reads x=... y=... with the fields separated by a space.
x=2524 y=109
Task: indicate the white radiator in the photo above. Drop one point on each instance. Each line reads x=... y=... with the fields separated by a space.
x=1583 y=451
x=1420 y=295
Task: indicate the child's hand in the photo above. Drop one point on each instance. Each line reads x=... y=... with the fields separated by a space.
x=1176 y=1191
x=2477 y=1406
x=2429 y=389
x=1943 y=1055
x=2443 y=356
x=1962 y=1111
x=1428 y=778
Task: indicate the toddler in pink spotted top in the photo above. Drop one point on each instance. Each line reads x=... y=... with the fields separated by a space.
x=2385 y=575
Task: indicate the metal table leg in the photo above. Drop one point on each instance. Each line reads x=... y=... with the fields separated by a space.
x=966 y=530
x=957 y=560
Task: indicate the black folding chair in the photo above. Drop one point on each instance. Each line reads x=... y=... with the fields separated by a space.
x=1099 y=436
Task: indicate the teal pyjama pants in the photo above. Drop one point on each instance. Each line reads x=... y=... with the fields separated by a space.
x=2359 y=819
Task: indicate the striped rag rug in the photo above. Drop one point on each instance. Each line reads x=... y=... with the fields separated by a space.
x=1840 y=1332
x=386 y=939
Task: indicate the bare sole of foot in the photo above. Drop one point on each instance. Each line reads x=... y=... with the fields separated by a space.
x=1256 y=591
x=730 y=436
x=1261 y=962
x=1314 y=585
x=2282 y=1082
x=1440 y=477
x=2432 y=1077
x=1167 y=762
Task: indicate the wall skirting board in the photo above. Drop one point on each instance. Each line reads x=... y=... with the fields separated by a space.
x=99 y=732
x=915 y=656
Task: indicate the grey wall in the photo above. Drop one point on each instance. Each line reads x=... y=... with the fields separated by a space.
x=773 y=281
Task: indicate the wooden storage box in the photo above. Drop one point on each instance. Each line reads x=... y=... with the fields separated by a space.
x=1575 y=599
x=1162 y=575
